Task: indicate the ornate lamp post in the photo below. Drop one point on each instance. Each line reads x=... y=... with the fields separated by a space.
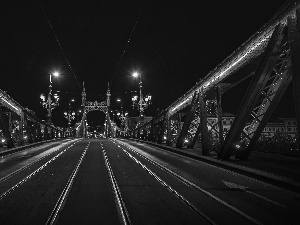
x=121 y=115
x=143 y=102
x=70 y=115
x=50 y=104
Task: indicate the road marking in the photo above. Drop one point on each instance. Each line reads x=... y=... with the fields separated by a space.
x=243 y=188
x=187 y=182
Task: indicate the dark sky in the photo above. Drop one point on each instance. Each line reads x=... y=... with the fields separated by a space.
x=174 y=44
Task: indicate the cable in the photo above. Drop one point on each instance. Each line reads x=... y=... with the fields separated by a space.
x=127 y=43
x=60 y=46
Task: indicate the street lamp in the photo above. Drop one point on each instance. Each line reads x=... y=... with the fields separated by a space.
x=50 y=104
x=143 y=102
x=70 y=115
x=121 y=115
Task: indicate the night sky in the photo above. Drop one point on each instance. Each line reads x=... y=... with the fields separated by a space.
x=173 y=45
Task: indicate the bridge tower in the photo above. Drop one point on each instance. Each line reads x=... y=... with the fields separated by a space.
x=92 y=106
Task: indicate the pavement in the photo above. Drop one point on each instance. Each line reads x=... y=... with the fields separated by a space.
x=276 y=169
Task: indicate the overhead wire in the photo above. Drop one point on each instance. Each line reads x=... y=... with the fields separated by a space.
x=58 y=42
x=128 y=41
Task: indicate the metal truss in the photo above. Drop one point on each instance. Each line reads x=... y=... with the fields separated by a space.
x=188 y=120
x=268 y=85
x=99 y=106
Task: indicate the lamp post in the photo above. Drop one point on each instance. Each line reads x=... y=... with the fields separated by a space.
x=143 y=102
x=121 y=115
x=49 y=104
x=70 y=115
x=123 y=118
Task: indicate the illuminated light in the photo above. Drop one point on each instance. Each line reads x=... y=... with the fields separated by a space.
x=227 y=68
x=187 y=99
x=186 y=141
x=135 y=74
x=3 y=140
x=56 y=74
x=165 y=138
x=25 y=137
x=11 y=104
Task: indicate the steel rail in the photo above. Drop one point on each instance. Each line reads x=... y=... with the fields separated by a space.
x=195 y=187
x=172 y=190
x=52 y=219
x=10 y=190
x=2 y=179
x=121 y=207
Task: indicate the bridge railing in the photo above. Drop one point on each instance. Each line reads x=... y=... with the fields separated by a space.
x=19 y=125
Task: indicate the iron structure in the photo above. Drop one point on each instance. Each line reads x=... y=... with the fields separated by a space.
x=19 y=125
x=81 y=130
x=271 y=59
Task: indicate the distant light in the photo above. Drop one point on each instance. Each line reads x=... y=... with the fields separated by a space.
x=56 y=74
x=72 y=100
x=186 y=140
x=135 y=74
x=118 y=100
x=238 y=146
x=3 y=140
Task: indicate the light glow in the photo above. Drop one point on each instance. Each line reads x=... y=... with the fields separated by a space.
x=135 y=74
x=56 y=74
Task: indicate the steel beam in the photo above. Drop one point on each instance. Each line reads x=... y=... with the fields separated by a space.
x=254 y=91
x=21 y=134
x=168 y=127
x=188 y=120
x=205 y=142
x=28 y=129
x=294 y=41
x=5 y=131
x=219 y=114
x=162 y=128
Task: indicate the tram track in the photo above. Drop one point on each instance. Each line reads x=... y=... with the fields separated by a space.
x=22 y=181
x=186 y=182
x=15 y=172
x=52 y=219
x=51 y=186
x=121 y=208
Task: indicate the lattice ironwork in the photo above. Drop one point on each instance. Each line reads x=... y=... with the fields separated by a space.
x=92 y=106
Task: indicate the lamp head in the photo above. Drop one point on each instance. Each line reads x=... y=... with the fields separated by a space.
x=135 y=74
x=56 y=74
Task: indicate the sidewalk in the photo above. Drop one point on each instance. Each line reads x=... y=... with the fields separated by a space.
x=280 y=170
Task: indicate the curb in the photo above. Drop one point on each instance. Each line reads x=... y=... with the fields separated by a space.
x=266 y=177
x=21 y=148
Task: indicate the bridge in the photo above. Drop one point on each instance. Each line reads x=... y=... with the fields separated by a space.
x=191 y=163
x=269 y=58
